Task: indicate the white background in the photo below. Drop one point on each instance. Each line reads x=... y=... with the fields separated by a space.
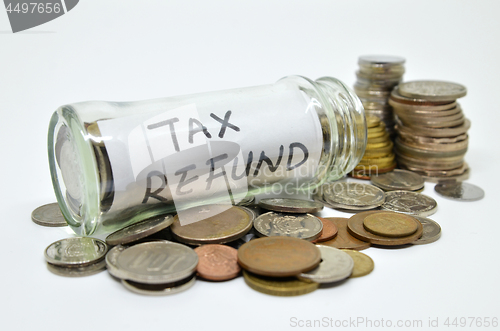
x=133 y=50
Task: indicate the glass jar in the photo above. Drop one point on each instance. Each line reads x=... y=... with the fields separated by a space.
x=117 y=163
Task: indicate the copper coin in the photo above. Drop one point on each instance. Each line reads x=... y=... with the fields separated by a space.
x=217 y=262
x=278 y=256
x=344 y=240
x=229 y=225
x=356 y=229
x=329 y=231
x=390 y=225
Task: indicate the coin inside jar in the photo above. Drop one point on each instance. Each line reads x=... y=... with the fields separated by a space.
x=278 y=256
x=303 y=226
x=217 y=262
x=227 y=226
x=139 y=230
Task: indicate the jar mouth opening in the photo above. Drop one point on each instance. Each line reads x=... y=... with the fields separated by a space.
x=73 y=168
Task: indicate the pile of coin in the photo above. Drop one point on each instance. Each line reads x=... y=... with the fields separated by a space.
x=379 y=157
x=156 y=256
x=376 y=77
x=432 y=130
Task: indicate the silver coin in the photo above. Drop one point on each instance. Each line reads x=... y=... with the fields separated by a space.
x=48 y=215
x=302 y=226
x=111 y=261
x=335 y=265
x=77 y=251
x=431 y=233
x=139 y=230
x=459 y=191
x=291 y=205
x=399 y=180
x=158 y=289
x=381 y=60
x=410 y=203
x=157 y=262
x=432 y=90
x=87 y=270
x=246 y=201
x=353 y=196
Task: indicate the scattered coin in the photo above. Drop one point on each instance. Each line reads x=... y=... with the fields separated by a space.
x=217 y=262
x=431 y=233
x=224 y=227
x=329 y=231
x=303 y=226
x=279 y=286
x=459 y=191
x=353 y=196
x=363 y=264
x=344 y=240
x=390 y=225
x=278 y=256
x=159 y=289
x=48 y=215
x=76 y=252
x=399 y=180
x=87 y=270
x=139 y=230
x=291 y=205
x=157 y=262
x=335 y=266
x=410 y=203
x=356 y=228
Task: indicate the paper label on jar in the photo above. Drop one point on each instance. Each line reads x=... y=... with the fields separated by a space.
x=211 y=150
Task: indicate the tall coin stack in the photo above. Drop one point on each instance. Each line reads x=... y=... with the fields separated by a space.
x=376 y=77
x=432 y=130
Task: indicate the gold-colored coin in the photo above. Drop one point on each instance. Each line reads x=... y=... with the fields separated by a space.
x=378 y=128
x=372 y=121
x=378 y=161
x=383 y=138
x=378 y=145
x=392 y=225
x=376 y=156
x=285 y=287
x=363 y=264
x=375 y=134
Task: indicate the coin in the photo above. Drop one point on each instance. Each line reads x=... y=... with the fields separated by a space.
x=87 y=270
x=48 y=215
x=157 y=262
x=303 y=226
x=344 y=240
x=139 y=230
x=459 y=191
x=432 y=90
x=390 y=224
x=381 y=60
x=76 y=251
x=335 y=265
x=247 y=201
x=159 y=289
x=363 y=264
x=285 y=287
x=432 y=231
x=410 y=203
x=329 y=230
x=224 y=227
x=399 y=180
x=353 y=196
x=278 y=256
x=217 y=262
x=291 y=205
x=356 y=229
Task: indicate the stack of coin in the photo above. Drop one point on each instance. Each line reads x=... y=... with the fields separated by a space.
x=76 y=257
x=432 y=130
x=376 y=77
x=379 y=157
